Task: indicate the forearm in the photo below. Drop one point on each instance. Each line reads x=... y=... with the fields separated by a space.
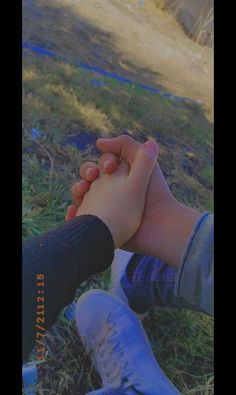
x=170 y=232
x=185 y=240
x=65 y=257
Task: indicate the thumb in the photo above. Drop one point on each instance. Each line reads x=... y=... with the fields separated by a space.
x=143 y=165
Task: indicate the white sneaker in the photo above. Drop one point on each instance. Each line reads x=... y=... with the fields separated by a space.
x=118 y=270
x=118 y=347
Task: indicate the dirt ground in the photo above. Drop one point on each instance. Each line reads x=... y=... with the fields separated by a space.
x=153 y=40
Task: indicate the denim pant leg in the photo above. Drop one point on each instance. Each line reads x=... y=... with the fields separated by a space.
x=152 y=284
x=118 y=391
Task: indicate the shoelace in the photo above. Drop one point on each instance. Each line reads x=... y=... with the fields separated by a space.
x=110 y=360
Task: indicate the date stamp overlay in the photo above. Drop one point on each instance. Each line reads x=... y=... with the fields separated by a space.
x=40 y=317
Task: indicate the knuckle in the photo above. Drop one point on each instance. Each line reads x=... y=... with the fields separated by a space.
x=125 y=139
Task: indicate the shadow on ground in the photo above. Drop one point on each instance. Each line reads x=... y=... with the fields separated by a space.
x=58 y=29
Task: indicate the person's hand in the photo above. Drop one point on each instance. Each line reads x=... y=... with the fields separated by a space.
x=166 y=224
x=118 y=199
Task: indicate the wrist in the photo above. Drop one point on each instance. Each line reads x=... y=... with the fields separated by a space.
x=171 y=231
x=113 y=230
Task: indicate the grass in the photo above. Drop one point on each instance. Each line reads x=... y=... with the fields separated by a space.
x=60 y=100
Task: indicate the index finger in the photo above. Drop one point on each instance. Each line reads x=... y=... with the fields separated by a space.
x=108 y=163
x=123 y=146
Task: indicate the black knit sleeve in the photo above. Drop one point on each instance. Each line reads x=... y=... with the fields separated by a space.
x=55 y=264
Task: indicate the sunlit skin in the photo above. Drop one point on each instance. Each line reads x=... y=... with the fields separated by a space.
x=166 y=223
x=111 y=196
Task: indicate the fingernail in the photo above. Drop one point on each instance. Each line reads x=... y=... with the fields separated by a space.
x=151 y=148
x=89 y=172
x=106 y=163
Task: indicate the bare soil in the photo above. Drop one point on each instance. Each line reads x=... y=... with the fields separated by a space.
x=155 y=43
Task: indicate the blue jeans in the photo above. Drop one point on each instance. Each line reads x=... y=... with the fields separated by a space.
x=152 y=284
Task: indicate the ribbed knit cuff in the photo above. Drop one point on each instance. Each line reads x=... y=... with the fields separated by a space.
x=66 y=256
x=93 y=242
